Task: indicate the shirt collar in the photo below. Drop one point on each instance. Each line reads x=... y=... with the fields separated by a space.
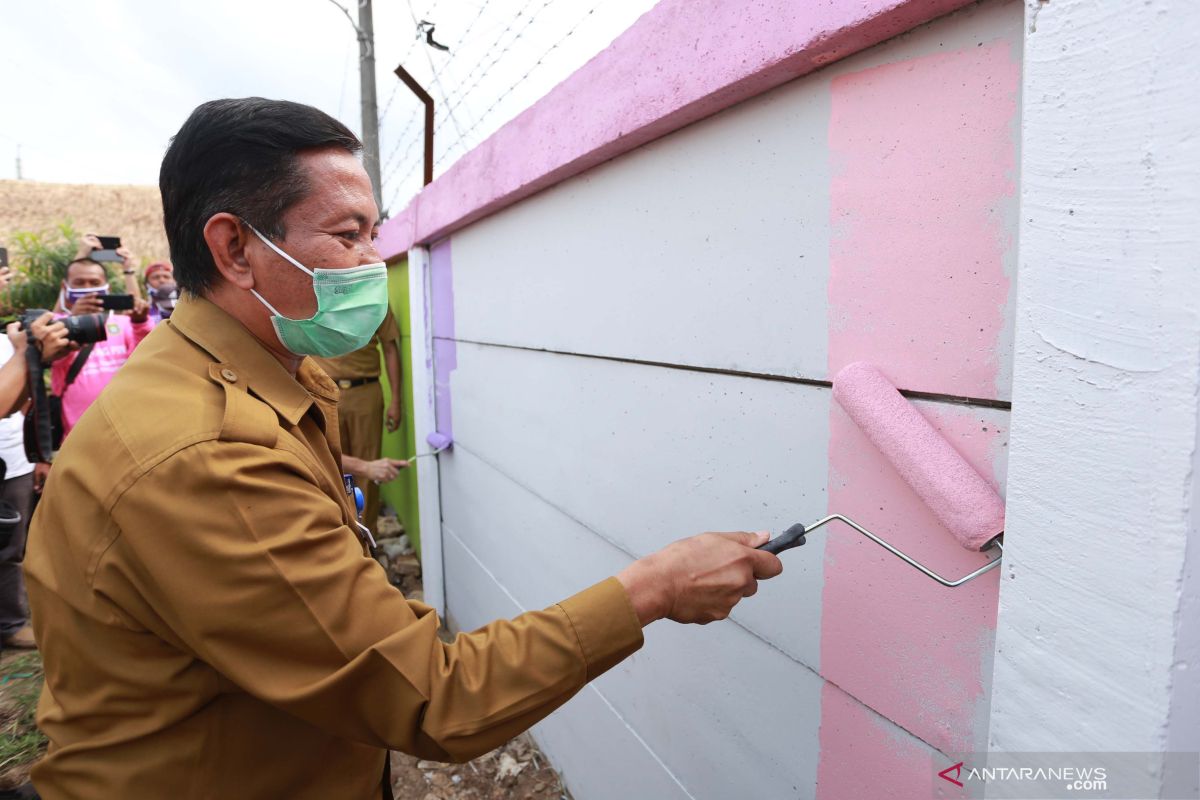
x=229 y=342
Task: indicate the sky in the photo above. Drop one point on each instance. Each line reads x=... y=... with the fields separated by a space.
x=94 y=91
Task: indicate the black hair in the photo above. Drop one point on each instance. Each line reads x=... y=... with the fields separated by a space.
x=238 y=156
x=85 y=260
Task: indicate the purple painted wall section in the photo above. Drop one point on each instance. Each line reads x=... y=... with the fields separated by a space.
x=708 y=56
x=445 y=353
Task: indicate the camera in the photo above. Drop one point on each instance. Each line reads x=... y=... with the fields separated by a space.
x=83 y=329
x=43 y=422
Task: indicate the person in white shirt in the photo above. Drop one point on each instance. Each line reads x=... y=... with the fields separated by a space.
x=17 y=490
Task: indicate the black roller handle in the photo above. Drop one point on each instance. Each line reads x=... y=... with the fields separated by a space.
x=792 y=537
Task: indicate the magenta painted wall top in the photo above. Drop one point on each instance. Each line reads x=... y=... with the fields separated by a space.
x=707 y=56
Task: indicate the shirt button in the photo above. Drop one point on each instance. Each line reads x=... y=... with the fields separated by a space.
x=229 y=375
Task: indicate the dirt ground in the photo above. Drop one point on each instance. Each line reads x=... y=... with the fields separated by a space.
x=518 y=770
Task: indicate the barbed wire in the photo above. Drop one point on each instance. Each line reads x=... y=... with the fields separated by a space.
x=437 y=84
x=445 y=115
x=405 y=166
x=462 y=94
x=407 y=52
x=531 y=70
x=406 y=170
x=412 y=118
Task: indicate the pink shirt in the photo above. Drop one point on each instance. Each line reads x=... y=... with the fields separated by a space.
x=106 y=358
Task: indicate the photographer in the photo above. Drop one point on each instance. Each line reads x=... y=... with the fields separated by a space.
x=17 y=488
x=83 y=294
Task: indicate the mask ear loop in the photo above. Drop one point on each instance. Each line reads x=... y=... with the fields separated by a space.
x=275 y=247
x=293 y=261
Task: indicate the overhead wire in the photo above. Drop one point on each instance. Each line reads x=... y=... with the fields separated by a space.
x=407 y=52
x=409 y=163
x=401 y=138
x=434 y=71
x=475 y=72
x=406 y=165
x=541 y=59
x=412 y=118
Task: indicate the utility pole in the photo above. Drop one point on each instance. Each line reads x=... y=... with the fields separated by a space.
x=364 y=29
x=370 y=104
x=18 y=162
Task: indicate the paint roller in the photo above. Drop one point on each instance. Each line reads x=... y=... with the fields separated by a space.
x=438 y=441
x=960 y=498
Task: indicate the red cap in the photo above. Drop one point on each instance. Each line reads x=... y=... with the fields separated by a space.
x=158 y=266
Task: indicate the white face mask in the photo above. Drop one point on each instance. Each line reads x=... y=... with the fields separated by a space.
x=68 y=296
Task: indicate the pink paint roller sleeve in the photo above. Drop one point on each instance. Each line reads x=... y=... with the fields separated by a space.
x=962 y=500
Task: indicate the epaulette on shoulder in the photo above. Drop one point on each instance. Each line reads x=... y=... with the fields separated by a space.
x=246 y=419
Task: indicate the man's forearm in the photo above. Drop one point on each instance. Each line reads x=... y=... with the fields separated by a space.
x=391 y=363
x=131 y=286
x=355 y=466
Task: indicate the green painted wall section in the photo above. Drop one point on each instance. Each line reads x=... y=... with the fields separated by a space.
x=401 y=494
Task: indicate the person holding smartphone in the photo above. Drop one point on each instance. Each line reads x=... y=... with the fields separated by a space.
x=85 y=291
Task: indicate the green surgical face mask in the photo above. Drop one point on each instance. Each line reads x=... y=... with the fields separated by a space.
x=351 y=304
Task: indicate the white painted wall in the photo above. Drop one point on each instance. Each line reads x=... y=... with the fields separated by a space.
x=708 y=249
x=1098 y=645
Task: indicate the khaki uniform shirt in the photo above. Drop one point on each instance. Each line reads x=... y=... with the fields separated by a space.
x=211 y=624
x=363 y=362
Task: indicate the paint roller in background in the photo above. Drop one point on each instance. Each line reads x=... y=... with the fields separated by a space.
x=438 y=441
x=960 y=498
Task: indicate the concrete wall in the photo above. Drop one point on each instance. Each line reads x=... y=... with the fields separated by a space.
x=1098 y=646
x=643 y=352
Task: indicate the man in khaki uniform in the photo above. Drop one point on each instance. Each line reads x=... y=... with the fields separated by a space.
x=360 y=409
x=211 y=622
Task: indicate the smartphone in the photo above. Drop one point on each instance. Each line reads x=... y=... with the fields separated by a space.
x=108 y=249
x=117 y=302
x=3 y=256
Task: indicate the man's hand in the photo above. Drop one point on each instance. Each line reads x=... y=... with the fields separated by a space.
x=127 y=258
x=41 y=471
x=384 y=469
x=17 y=337
x=51 y=338
x=87 y=304
x=699 y=579
x=87 y=244
x=395 y=414
x=140 y=312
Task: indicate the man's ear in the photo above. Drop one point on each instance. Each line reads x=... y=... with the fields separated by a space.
x=226 y=238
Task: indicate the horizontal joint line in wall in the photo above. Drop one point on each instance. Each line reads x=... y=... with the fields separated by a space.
x=736 y=373
x=460 y=448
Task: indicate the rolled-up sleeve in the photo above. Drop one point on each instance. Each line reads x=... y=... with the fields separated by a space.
x=233 y=552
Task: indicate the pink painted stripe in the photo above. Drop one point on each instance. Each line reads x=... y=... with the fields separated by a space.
x=922 y=153
x=681 y=62
x=876 y=760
